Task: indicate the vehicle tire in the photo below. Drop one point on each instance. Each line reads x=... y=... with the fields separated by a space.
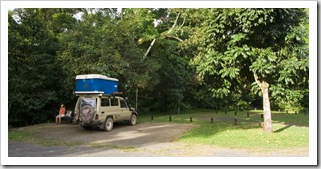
x=87 y=113
x=133 y=120
x=109 y=124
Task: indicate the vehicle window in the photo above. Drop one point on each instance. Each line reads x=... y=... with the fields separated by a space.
x=123 y=104
x=88 y=101
x=114 y=102
x=104 y=102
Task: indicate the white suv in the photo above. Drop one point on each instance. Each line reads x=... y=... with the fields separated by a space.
x=99 y=110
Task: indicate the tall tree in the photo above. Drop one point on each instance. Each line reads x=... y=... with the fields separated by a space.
x=103 y=42
x=161 y=42
x=252 y=45
x=33 y=68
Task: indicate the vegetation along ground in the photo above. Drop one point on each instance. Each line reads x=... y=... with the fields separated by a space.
x=290 y=133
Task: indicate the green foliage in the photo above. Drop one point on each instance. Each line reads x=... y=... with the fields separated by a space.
x=235 y=43
x=200 y=57
x=33 y=67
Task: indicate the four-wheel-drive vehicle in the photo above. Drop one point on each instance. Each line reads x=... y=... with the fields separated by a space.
x=102 y=110
x=98 y=105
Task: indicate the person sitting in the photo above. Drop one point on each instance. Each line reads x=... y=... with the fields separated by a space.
x=62 y=111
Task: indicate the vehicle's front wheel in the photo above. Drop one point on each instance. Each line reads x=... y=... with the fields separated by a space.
x=109 y=124
x=133 y=120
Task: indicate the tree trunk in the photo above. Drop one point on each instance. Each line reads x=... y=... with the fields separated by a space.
x=167 y=34
x=149 y=48
x=266 y=104
x=266 y=107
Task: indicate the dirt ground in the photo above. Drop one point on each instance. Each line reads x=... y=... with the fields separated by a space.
x=143 y=140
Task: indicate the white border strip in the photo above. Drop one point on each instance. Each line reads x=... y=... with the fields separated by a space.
x=311 y=160
x=157 y=4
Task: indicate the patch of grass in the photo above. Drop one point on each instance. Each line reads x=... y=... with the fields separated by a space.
x=290 y=131
x=31 y=138
x=123 y=148
x=251 y=138
x=48 y=142
x=19 y=135
x=56 y=142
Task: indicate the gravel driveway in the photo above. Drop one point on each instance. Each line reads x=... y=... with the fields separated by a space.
x=143 y=140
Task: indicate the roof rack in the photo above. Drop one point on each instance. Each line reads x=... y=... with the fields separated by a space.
x=89 y=92
x=99 y=93
x=117 y=93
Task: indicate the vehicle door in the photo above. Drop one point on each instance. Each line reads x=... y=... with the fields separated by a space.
x=104 y=108
x=88 y=108
x=115 y=109
x=125 y=113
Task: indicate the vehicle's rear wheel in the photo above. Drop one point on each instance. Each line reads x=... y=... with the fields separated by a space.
x=109 y=124
x=133 y=120
x=87 y=113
